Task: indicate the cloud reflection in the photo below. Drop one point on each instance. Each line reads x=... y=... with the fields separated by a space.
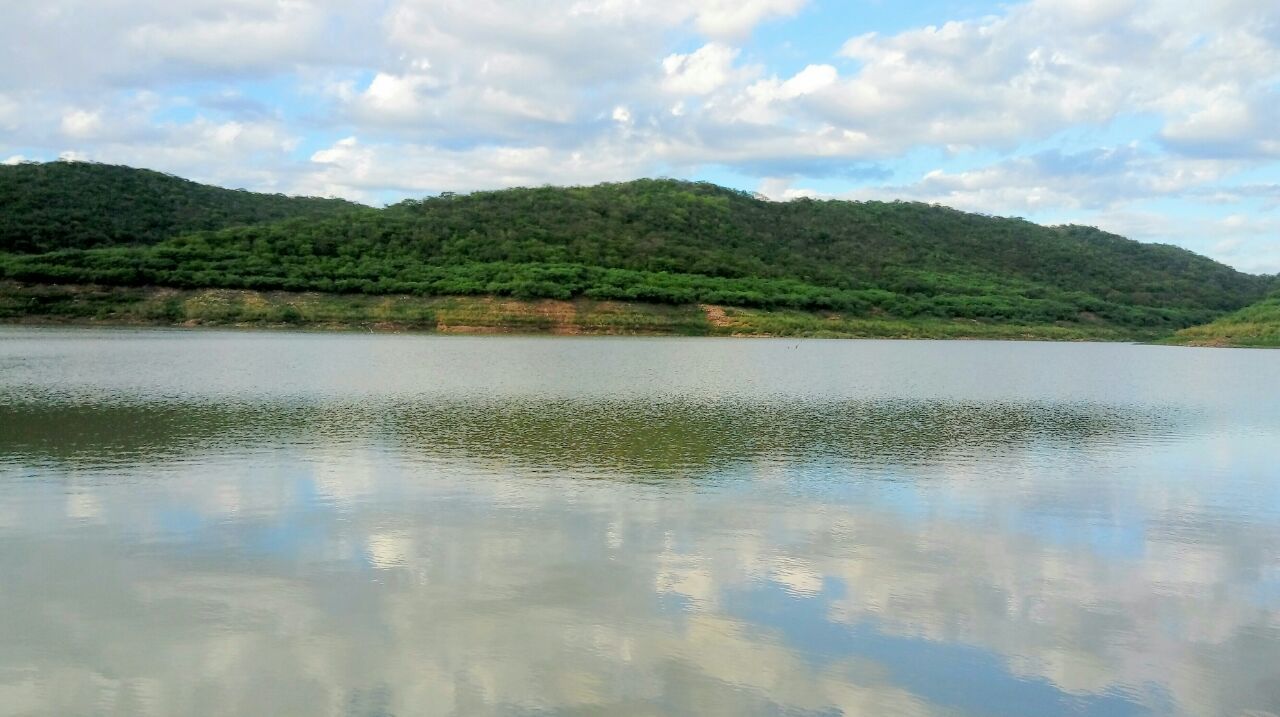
x=440 y=562
x=783 y=538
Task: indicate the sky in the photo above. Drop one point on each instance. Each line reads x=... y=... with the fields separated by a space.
x=1155 y=119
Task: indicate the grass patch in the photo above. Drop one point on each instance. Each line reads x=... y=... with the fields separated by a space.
x=1257 y=326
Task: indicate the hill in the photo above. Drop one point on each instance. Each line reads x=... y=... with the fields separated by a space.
x=656 y=241
x=78 y=205
x=1255 y=325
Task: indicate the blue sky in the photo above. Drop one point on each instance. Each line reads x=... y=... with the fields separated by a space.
x=1145 y=117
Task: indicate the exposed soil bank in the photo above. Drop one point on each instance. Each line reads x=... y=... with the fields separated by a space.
x=156 y=306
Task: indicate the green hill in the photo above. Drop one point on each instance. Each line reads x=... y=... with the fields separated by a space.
x=657 y=241
x=64 y=205
x=1254 y=325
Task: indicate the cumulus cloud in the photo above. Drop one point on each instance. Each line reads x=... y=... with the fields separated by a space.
x=736 y=17
x=1168 y=624
x=86 y=44
x=479 y=71
x=80 y=124
x=699 y=72
x=364 y=171
x=229 y=153
x=1050 y=64
x=1096 y=179
x=1228 y=124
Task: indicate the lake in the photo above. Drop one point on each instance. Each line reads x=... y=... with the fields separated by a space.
x=233 y=523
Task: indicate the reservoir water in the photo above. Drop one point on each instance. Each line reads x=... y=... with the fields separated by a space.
x=217 y=523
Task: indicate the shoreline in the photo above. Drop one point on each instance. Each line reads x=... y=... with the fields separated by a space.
x=40 y=322
x=73 y=305
x=49 y=323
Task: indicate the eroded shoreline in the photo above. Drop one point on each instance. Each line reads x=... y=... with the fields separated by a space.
x=85 y=305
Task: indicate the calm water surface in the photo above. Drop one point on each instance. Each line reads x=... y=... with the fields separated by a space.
x=295 y=524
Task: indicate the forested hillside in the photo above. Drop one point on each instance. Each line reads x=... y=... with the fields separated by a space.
x=62 y=205
x=658 y=241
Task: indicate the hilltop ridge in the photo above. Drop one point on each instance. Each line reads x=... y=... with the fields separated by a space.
x=79 y=205
x=652 y=240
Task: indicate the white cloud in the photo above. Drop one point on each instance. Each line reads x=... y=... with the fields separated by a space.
x=809 y=80
x=781 y=189
x=763 y=102
x=1098 y=179
x=80 y=124
x=236 y=154
x=85 y=43
x=1050 y=64
x=397 y=96
x=353 y=169
x=700 y=72
x=1227 y=124
x=249 y=35
x=734 y=18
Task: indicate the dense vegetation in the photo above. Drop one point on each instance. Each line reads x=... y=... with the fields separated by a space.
x=657 y=241
x=1254 y=325
x=77 y=205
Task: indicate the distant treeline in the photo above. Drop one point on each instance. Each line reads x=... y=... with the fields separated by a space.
x=658 y=241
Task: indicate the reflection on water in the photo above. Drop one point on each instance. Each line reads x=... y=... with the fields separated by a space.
x=627 y=438
x=299 y=524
